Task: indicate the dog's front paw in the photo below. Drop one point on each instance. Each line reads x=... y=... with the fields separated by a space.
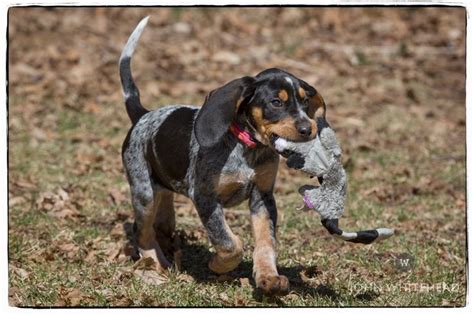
x=222 y=265
x=272 y=284
x=228 y=259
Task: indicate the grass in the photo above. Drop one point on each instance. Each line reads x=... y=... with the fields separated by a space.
x=347 y=274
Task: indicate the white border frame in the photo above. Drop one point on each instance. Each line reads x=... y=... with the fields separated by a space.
x=6 y=309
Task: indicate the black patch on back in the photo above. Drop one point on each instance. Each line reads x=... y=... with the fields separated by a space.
x=295 y=160
x=158 y=175
x=171 y=146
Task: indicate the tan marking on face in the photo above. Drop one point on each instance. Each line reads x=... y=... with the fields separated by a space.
x=285 y=128
x=301 y=92
x=283 y=95
x=257 y=115
x=265 y=175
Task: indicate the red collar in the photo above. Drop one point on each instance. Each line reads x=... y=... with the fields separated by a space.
x=242 y=135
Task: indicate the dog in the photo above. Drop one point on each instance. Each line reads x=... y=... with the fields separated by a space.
x=218 y=155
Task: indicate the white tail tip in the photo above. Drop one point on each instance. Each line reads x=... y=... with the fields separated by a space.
x=133 y=39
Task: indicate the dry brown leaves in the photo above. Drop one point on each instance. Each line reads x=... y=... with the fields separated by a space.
x=58 y=204
x=149 y=271
x=118 y=196
x=311 y=275
x=72 y=297
x=108 y=250
x=22 y=273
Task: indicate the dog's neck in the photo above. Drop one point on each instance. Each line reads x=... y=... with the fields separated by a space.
x=243 y=135
x=245 y=123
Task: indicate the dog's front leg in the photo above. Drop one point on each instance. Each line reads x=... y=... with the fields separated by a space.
x=229 y=249
x=264 y=219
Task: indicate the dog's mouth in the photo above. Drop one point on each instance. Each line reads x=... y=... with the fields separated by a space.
x=274 y=142
x=294 y=160
x=274 y=138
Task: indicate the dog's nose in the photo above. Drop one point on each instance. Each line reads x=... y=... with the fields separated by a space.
x=304 y=128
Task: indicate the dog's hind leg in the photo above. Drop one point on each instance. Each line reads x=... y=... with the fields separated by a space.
x=165 y=222
x=145 y=200
x=145 y=205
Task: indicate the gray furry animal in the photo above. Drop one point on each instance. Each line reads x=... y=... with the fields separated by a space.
x=218 y=156
x=321 y=157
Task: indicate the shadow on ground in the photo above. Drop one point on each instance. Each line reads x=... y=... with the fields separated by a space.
x=194 y=262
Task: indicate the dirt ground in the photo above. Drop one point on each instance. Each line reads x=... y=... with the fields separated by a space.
x=394 y=83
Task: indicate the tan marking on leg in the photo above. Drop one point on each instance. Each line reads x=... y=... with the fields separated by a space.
x=165 y=221
x=264 y=258
x=225 y=185
x=301 y=92
x=226 y=259
x=283 y=95
x=147 y=244
x=265 y=175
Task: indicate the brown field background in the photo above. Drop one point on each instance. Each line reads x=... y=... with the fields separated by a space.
x=394 y=82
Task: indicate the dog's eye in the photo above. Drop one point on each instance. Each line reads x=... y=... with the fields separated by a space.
x=276 y=102
x=306 y=102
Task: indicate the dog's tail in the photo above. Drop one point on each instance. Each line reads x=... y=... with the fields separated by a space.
x=135 y=110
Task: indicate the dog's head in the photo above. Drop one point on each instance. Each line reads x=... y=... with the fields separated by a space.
x=274 y=104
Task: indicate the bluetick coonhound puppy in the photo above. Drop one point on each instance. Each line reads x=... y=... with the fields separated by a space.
x=218 y=156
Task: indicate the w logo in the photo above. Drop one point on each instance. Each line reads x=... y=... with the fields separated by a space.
x=404 y=262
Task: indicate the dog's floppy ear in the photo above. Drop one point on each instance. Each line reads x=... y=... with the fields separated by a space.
x=219 y=109
x=317 y=106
